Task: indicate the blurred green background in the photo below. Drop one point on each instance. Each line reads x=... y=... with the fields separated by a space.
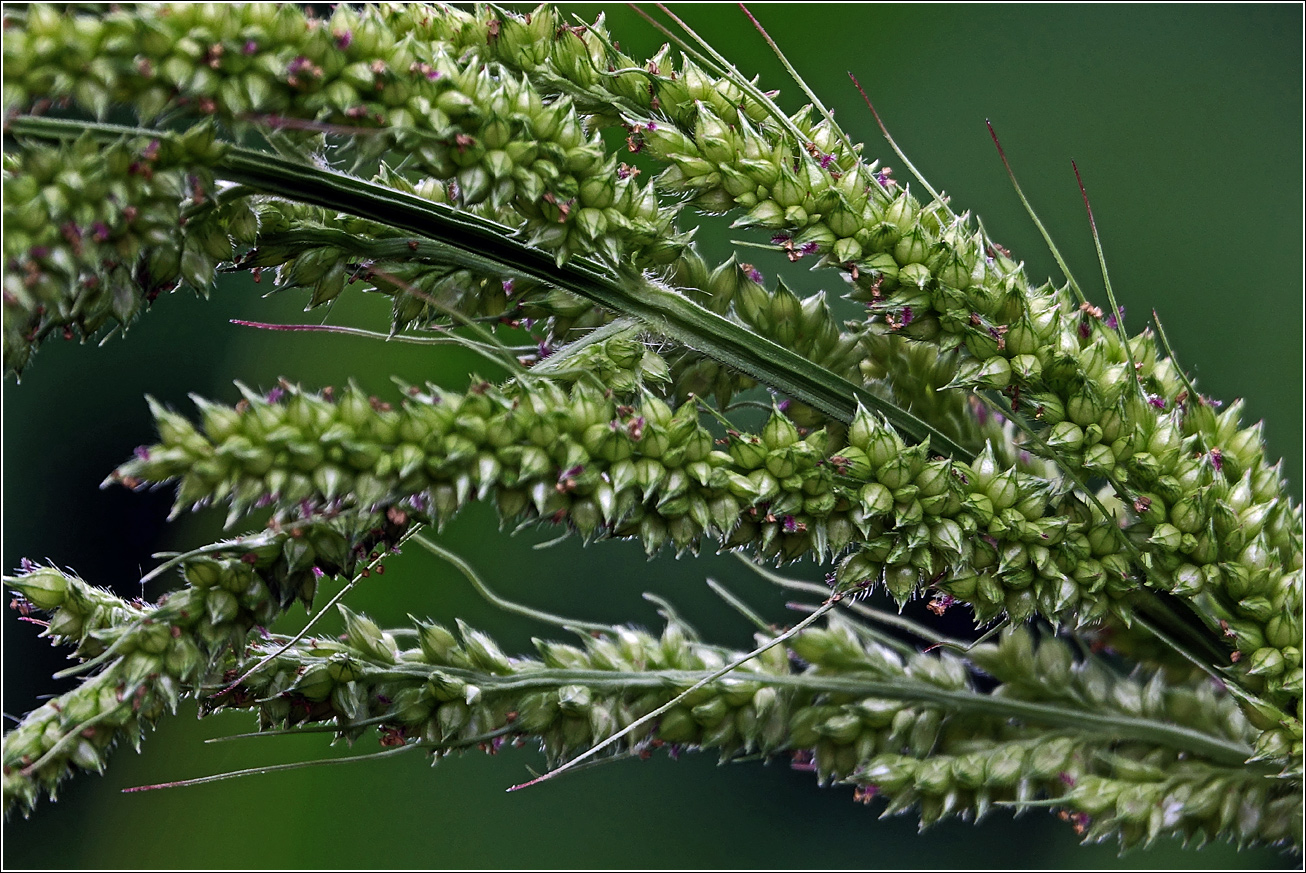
x=1186 y=124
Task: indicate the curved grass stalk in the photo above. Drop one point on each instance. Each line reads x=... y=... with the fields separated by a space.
x=489 y=353
x=671 y=616
x=738 y=605
x=902 y=156
x=869 y=612
x=470 y=574
x=273 y=768
x=478 y=244
x=1033 y=216
x=793 y=74
x=1117 y=316
x=304 y=729
x=1220 y=750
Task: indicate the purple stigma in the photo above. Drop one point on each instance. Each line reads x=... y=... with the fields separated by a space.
x=344 y=39
x=906 y=315
x=1155 y=401
x=318 y=572
x=507 y=288
x=276 y=394
x=756 y=275
x=807 y=248
x=780 y=239
x=100 y=231
x=250 y=47
x=142 y=453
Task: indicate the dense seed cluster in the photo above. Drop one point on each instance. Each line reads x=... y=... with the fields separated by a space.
x=1208 y=515
x=152 y=655
x=470 y=136
x=94 y=234
x=274 y=67
x=998 y=538
x=949 y=756
x=488 y=137
x=324 y=252
x=577 y=456
x=1129 y=480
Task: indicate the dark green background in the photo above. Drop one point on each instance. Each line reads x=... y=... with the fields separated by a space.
x=1186 y=124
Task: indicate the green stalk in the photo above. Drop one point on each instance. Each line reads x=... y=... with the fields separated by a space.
x=477 y=244
x=1117 y=727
